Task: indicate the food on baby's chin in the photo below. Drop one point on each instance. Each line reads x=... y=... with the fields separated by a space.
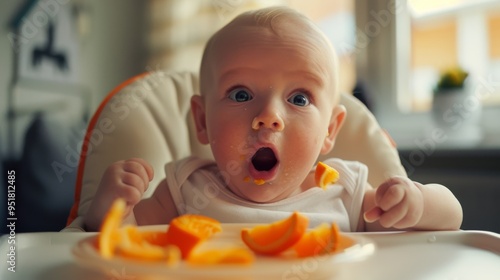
x=325 y=175
x=258 y=182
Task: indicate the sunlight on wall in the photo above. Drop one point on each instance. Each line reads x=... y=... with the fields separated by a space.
x=426 y=6
x=435 y=46
x=494 y=35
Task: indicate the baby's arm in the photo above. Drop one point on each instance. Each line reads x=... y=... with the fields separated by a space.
x=127 y=179
x=157 y=209
x=400 y=203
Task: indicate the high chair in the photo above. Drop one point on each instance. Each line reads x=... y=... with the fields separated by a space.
x=148 y=116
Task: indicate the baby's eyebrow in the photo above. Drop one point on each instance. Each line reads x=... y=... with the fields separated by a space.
x=312 y=77
x=316 y=78
x=227 y=75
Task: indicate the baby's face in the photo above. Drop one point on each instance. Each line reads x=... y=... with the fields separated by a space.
x=267 y=112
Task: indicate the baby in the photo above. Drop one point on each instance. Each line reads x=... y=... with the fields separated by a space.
x=269 y=106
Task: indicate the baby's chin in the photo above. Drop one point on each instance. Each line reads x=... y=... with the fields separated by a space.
x=265 y=193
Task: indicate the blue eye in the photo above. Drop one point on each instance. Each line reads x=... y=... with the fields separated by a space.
x=240 y=95
x=299 y=99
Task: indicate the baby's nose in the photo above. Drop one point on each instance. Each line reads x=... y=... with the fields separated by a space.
x=270 y=120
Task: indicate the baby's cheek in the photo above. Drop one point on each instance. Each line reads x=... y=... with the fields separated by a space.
x=233 y=168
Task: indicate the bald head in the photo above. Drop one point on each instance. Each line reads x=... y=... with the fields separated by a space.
x=269 y=25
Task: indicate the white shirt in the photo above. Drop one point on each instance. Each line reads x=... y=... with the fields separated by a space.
x=197 y=187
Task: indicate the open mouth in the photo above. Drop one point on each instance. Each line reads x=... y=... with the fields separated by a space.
x=264 y=159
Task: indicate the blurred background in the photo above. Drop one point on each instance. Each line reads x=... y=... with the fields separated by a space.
x=60 y=58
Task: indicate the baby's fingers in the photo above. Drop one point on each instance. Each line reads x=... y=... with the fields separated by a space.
x=147 y=167
x=373 y=214
x=137 y=169
x=132 y=195
x=388 y=196
x=394 y=217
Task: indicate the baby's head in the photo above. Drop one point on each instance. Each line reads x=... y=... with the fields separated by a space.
x=274 y=23
x=269 y=101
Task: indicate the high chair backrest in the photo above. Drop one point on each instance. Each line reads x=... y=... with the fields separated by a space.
x=149 y=116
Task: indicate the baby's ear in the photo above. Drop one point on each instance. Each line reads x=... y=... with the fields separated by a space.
x=198 y=111
x=336 y=122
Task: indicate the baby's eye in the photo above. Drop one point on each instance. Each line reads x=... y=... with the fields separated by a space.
x=240 y=95
x=299 y=99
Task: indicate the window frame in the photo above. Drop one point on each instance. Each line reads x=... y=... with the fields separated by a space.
x=383 y=38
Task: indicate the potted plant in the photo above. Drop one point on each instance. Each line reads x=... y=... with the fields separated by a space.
x=450 y=80
x=455 y=109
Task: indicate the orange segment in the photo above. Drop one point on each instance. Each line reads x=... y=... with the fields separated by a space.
x=134 y=245
x=189 y=230
x=274 y=238
x=131 y=243
x=149 y=253
x=158 y=238
x=153 y=237
x=259 y=182
x=109 y=235
x=238 y=256
x=320 y=240
x=344 y=242
x=325 y=175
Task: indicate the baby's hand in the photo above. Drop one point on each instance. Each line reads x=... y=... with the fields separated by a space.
x=399 y=203
x=127 y=179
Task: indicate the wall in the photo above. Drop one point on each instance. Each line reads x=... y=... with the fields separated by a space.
x=111 y=51
x=7 y=8
x=493 y=30
x=427 y=53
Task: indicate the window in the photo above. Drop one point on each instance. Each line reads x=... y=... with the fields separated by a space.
x=401 y=47
x=451 y=33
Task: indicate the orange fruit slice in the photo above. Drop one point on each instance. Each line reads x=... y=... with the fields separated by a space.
x=109 y=235
x=236 y=256
x=274 y=238
x=187 y=231
x=158 y=238
x=344 y=243
x=321 y=240
x=150 y=253
x=325 y=175
x=135 y=245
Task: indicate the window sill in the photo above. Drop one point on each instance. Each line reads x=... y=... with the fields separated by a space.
x=418 y=131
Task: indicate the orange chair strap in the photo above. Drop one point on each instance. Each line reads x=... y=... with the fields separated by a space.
x=83 y=155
